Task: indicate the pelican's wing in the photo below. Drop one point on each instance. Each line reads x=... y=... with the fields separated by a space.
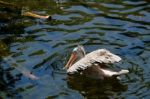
x=100 y=56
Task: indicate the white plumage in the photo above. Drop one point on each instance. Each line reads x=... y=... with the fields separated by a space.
x=92 y=63
x=100 y=55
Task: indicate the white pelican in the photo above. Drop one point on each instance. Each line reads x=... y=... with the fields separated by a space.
x=93 y=64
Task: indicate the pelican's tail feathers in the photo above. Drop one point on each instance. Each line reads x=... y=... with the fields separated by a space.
x=122 y=72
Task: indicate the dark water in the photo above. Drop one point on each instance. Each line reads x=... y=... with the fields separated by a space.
x=43 y=47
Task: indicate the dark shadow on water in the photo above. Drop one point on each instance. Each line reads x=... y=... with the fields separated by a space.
x=96 y=88
x=7 y=83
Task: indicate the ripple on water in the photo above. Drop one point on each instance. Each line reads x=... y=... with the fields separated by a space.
x=42 y=47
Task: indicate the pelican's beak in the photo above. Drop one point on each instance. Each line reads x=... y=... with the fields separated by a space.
x=72 y=59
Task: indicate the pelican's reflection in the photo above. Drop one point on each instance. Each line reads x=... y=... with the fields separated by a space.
x=94 y=88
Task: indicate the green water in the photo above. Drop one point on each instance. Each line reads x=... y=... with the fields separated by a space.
x=42 y=47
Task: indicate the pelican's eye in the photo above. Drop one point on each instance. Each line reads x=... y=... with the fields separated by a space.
x=75 y=49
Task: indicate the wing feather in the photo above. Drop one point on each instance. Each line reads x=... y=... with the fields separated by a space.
x=100 y=56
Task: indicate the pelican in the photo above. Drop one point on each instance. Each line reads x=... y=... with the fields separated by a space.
x=93 y=64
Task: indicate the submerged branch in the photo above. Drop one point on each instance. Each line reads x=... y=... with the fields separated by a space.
x=20 y=9
x=30 y=14
x=21 y=69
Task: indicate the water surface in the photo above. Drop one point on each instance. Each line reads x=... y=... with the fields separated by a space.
x=42 y=47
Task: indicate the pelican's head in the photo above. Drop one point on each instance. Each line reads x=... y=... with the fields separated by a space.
x=77 y=53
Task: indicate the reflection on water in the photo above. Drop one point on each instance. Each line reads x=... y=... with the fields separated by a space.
x=42 y=47
x=91 y=88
